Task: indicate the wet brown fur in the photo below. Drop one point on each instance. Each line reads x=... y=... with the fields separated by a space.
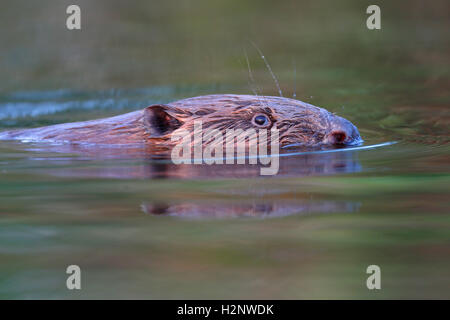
x=297 y=122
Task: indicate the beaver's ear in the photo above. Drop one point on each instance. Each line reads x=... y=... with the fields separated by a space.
x=159 y=122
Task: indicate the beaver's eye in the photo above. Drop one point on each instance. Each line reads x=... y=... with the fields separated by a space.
x=261 y=120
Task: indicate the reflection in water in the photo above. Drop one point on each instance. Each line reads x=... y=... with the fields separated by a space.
x=291 y=166
x=302 y=165
x=138 y=163
x=256 y=209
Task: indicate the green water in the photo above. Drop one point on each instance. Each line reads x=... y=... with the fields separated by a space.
x=226 y=232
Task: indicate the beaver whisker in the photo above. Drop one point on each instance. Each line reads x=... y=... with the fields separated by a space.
x=294 y=95
x=250 y=73
x=268 y=68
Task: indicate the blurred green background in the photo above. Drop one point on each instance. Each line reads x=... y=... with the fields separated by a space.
x=388 y=209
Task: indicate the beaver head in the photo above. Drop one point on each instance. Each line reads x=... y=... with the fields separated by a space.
x=298 y=122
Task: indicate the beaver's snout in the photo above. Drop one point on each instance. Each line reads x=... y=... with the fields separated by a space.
x=343 y=132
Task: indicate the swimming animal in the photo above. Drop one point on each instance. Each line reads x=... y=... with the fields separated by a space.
x=298 y=122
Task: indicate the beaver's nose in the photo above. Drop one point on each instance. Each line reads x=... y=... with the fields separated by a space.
x=343 y=132
x=337 y=137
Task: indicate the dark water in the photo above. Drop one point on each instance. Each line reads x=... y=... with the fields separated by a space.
x=141 y=228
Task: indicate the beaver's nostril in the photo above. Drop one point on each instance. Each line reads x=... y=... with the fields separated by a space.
x=338 y=137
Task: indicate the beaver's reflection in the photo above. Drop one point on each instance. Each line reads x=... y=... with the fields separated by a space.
x=125 y=166
x=266 y=209
x=298 y=165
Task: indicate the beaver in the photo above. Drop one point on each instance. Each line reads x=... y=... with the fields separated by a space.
x=298 y=122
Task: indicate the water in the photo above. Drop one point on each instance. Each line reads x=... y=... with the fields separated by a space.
x=143 y=228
